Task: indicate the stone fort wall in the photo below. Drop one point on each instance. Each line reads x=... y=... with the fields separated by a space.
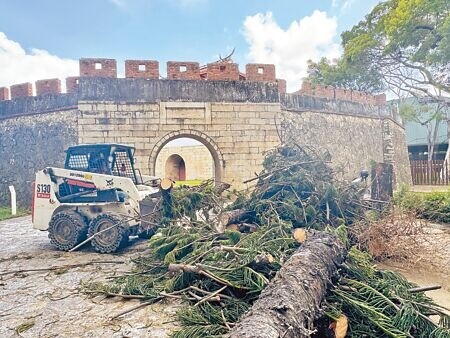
x=236 y=120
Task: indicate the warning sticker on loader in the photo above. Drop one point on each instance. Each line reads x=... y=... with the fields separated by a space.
x=43 y=190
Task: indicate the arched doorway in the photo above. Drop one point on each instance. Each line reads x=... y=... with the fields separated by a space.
x=204 y=139
x=175 y=168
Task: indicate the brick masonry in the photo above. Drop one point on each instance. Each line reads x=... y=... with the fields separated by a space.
x=146 y=69
x=260 y=72
x=281 y=86
x=330 y=92
x=72 y=84
x=21 y=90
x=49 y=86
x=4 y=93
x=98 y=67
x=183 y=70
x=223 y=71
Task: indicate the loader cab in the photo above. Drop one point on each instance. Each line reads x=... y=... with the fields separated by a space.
x=108 y=159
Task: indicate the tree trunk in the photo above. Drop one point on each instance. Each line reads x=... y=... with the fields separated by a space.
x=289 y=306
x=232 y=217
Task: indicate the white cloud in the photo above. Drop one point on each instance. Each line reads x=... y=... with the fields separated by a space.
x=18 y=65
x=309 y=38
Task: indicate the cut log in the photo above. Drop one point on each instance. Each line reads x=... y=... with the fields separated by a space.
x=290 y=304
x=166 y=184
x=300 y=235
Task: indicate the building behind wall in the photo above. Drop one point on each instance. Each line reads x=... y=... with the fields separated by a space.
x=417 y=136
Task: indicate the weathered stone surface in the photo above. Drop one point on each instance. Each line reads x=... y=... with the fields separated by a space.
x=236 y=121
x=307 y=103
x=169 y=90
x=37 y=104
x=353 y=142
x=30 y=143
x=395 y=151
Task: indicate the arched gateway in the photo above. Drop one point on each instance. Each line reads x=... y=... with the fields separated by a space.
x=237 y=118
x=207 y=141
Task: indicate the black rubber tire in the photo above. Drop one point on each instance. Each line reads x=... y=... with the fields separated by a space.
x=66 y=229
x=111 y=240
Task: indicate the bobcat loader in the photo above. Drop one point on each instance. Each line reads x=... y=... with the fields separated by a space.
x=97 y=191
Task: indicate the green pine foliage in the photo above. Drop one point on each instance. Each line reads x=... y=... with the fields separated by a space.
x=379 y=304
x=219 y=274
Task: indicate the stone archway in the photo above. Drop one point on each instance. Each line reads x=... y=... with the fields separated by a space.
x=208 y=142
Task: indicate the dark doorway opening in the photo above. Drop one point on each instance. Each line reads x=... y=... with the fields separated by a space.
x=175 y=168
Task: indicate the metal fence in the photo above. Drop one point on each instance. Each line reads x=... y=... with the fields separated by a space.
x=435 y=172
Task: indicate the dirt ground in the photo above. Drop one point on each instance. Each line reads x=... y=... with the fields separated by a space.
x=430 y=263
x=49 y=304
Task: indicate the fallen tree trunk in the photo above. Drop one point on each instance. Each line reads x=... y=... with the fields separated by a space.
x=290 y=304
x=232 y=217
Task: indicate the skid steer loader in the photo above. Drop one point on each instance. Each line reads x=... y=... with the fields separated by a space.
x=97 y=191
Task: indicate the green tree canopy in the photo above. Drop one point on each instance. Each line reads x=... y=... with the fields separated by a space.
x=343 y=74
x=405 y=44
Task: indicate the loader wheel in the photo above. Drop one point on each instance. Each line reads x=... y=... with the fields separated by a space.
x=66 y=229
x=109 y=240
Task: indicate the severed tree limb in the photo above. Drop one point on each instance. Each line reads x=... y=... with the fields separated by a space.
x=424 y=288
x=52 y=268
x=290 y=304
x=233 y=216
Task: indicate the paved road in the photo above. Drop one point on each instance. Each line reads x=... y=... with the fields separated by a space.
x=50 y=302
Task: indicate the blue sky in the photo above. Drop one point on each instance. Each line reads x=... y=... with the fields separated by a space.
x=45 y=38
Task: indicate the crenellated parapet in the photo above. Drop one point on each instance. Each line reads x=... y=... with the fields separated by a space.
x=49 y=86
x=223 y=70
x=330 y=92
x=184 y=80
x=184 y=70
x=147 y=69
x=21 y=90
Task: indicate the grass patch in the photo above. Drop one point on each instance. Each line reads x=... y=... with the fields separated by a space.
x=189 y=183
x=5 y=213
x=24 y=327
x=434 y=206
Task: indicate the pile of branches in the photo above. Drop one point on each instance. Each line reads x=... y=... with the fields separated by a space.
x=291 y=229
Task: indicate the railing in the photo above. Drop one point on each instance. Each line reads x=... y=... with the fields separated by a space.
x=435 y=172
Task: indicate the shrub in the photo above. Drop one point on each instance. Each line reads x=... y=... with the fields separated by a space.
x=434 y=206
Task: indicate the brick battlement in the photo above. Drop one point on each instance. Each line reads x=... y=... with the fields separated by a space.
x=183 y=70
x=329 y=92
x=102 y=89
x=148 y=69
